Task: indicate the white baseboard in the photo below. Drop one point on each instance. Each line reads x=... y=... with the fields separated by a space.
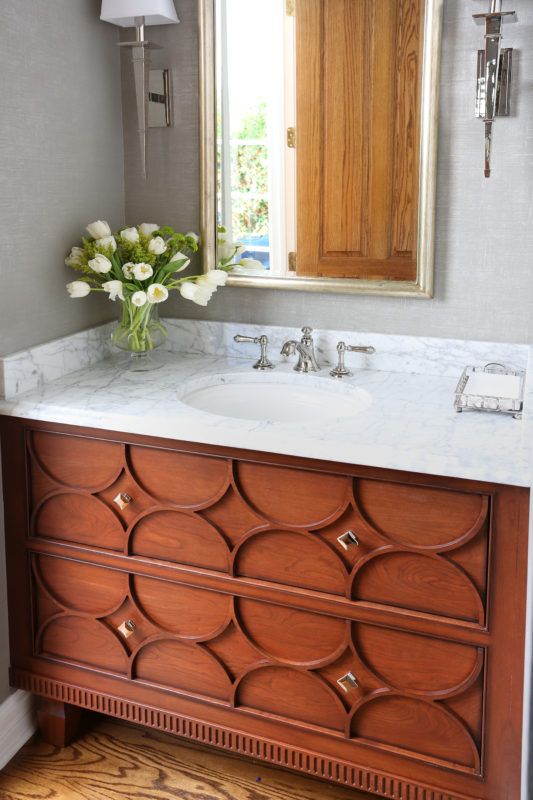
x=17 y=724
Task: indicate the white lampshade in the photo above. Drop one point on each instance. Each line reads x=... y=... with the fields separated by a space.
x=123 y=12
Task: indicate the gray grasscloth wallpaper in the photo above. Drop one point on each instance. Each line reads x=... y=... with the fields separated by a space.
x=484 y=252
x=62 y=167
x=62 y=159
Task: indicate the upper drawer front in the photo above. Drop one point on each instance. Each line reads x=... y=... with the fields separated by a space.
x=416 y=547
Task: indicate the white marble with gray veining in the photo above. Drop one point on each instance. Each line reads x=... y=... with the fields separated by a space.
x=32 y=368
x=411 y=424
x=29 y=369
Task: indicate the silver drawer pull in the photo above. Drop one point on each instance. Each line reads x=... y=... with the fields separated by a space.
x=127 y=628
x=123 y=500
x=348 y=682
x=348 y=539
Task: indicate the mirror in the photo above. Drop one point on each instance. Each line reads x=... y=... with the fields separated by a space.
x=319 y=138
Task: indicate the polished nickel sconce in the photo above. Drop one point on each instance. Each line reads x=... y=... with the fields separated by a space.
x=152 y=87
x=494 y=70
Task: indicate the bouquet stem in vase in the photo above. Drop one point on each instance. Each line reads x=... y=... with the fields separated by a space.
x=139 y=332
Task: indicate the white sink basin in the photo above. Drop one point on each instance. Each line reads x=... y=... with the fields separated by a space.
x=275 y=397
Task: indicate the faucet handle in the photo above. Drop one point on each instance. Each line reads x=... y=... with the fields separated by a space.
x=307 y=331
x=341 y=370
x=263 y=362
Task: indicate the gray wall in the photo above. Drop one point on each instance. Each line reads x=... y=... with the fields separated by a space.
x=62 y=160
x=484 y=253
x=61 y=167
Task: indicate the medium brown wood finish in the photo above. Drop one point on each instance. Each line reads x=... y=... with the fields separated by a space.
x=244 y=610
x=358 y=81
x=114 y=761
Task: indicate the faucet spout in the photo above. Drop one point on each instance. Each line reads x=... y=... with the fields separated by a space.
x=306 y=352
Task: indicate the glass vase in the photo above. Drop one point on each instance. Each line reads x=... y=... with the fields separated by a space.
x=139 y=333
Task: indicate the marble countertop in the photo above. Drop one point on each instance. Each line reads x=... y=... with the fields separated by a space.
x=411 y=424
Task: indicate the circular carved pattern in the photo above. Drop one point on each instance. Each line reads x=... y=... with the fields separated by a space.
x=421 y=582
x=419 y=515
x=181 y=538
x=183 y=479
x=291 y=558
x=77 y=462
x=82 y=587
x=79 y=518
x=292 y=694
x=83 y=641
x=182 y=610
x=416 y=663
x=184 y=666
x=290 y=635
x=292 y=496
x=415 y=726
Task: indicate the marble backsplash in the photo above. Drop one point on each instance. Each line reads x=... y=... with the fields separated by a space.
x=32 y=368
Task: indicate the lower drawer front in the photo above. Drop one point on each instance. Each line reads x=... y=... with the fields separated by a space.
x=392 y=690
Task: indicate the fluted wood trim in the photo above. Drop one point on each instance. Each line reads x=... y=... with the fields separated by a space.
x=341 y=772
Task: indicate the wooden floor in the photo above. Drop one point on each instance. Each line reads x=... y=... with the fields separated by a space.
x=113 y=760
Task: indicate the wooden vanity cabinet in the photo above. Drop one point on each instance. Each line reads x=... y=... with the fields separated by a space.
x=360 y=625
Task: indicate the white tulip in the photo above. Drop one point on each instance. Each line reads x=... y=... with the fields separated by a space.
x=216 y=277
x=127 y=270
x=142 y=271
x=157 y=293
x=75 y=257
x=180 y=257
x=139 y=299
x=247 y=266
x=199 y=294
x=99 y=229
x=229 y=250
x=157 y=246
x=114 y=289
x=106 y=242
x=148 y=228
x=192 y=235
x=130 y=235
x=78 y=289
x=100 y=264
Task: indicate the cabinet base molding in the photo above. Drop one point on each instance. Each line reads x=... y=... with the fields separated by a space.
x=313 y=764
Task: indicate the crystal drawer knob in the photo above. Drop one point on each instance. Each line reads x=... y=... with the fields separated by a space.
x=348 y=540
x=127 y=628
x=123 y=500
x=348 y=682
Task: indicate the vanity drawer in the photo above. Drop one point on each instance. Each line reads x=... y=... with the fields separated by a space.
x=352 y=680
x=373 y=541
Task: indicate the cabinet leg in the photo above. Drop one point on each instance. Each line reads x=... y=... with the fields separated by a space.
x=58 y=722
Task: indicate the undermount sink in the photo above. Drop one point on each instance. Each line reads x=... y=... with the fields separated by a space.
x=275 y=398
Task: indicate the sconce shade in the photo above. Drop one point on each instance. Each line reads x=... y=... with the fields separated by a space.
x=123 y=12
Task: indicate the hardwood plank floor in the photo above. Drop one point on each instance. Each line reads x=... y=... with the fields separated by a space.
x=114 y=760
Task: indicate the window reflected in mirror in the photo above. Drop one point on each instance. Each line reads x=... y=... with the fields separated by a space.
x=255 y=108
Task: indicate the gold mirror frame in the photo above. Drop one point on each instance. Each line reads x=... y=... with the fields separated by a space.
x=423 y=286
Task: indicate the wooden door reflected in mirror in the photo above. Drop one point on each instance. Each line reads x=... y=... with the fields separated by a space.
x=319 y=137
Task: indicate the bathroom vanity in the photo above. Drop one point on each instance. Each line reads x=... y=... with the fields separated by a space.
x=361 y=624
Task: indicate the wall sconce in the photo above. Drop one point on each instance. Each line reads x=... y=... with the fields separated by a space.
x=138 y=14
x=494 y=64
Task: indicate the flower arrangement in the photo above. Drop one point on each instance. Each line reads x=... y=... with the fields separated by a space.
x=229 y=256
x=140 y=267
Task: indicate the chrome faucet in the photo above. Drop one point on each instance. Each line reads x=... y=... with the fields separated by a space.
x=306 y=352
